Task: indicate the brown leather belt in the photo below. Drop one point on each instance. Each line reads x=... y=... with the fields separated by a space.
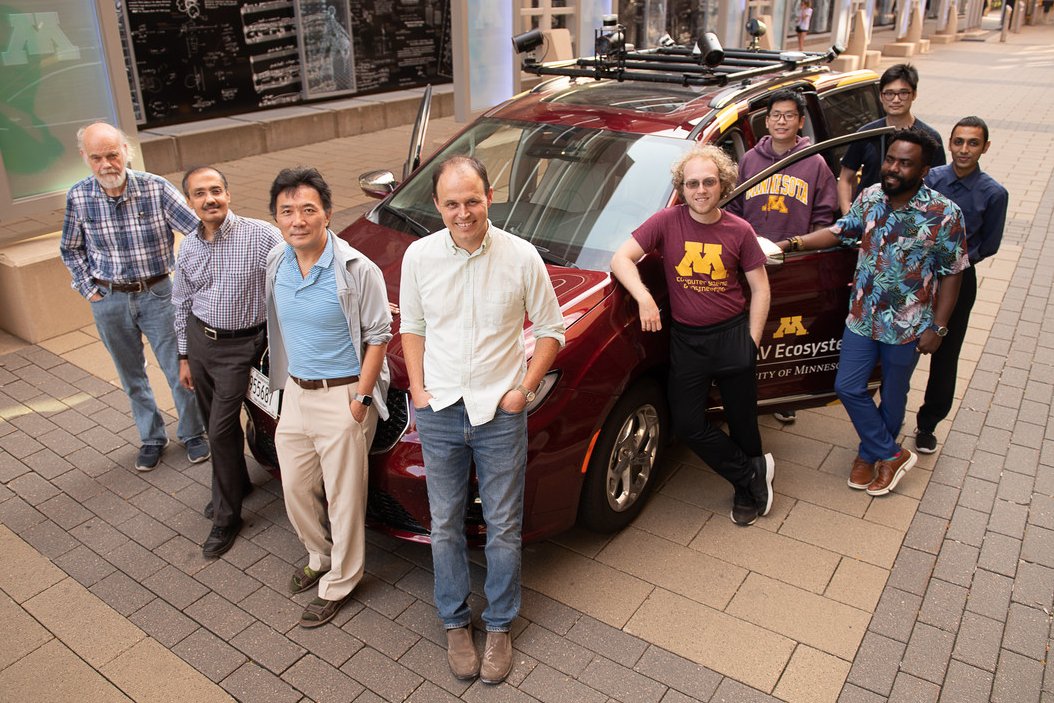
x=324 y=383
x=131 y=286
x=216 y=333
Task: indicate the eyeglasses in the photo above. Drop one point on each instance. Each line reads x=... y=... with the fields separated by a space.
x=894 y=94
x=783 y=116
x=706 y=183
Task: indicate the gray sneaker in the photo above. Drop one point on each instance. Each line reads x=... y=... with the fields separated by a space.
x=198 y=450
x=149 y=456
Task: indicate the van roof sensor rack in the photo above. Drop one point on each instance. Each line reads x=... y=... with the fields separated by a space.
x=704 y=63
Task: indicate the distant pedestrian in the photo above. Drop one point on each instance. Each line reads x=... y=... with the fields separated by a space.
x=117 y=242
x=220 y=326
x=802 y=22
x=983 y=203
x=910 y=264
x=472 y=386
x=328 y=326
x=897 y=88
x=707 y=254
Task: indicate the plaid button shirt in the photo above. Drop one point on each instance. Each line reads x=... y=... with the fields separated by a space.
x=123 y=239
x=223 y=282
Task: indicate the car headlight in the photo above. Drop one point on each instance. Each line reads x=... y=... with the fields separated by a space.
x=548 y=384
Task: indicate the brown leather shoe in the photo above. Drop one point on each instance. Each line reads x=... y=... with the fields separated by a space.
x=497 y=658
x=889 y=473
x=862 y=474
x=461 y=653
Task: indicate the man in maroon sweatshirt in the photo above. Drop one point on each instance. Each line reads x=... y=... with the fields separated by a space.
x=799 y=199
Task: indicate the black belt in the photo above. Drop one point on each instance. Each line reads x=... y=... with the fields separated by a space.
x=131 y=286
x=324 y=383
x=214 y=333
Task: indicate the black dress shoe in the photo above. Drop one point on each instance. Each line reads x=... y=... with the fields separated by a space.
x=208 y=512
x=221 y=538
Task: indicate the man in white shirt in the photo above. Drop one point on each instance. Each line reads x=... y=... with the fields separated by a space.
x=464 y=293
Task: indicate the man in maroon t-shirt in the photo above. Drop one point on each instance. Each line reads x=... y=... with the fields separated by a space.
x=712 y=339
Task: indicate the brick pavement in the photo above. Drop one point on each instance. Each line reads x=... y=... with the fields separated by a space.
x=941 y=590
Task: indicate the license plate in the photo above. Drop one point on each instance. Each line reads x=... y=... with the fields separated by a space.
x=260 y=394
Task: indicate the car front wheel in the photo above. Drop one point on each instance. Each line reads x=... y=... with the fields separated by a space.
x=624 y=464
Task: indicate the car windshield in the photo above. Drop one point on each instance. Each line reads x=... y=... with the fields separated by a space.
x=575 y=193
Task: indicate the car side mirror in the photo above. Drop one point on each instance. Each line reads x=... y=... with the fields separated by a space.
x=378 y=184
x=773 y=254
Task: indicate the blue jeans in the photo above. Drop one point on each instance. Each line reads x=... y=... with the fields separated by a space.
x=122 y=320
x=877 y=426
x=498 y=448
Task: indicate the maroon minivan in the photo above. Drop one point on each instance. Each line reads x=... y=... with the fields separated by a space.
x=576 y=165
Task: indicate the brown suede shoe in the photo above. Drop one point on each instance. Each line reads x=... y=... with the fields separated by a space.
x=862 y=474
x=461 y=653
x=890 y=472
x=497 y=658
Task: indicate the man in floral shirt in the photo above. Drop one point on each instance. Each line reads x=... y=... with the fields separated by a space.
x=912 y=254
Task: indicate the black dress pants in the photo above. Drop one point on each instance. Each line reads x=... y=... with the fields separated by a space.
x=220 y=368
x=723 y=354
x=944 y=364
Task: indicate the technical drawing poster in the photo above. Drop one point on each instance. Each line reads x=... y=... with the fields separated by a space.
x=326 y=51
x=206 y=58
x=401 y=43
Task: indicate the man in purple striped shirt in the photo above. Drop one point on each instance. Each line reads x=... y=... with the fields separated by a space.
x=220 y=314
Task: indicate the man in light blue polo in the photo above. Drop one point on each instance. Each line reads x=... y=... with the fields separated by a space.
x=328 y=325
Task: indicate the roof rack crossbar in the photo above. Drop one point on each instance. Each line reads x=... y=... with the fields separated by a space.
x=682 y=67
x=622 y=75
x=667 y=65
x=682 y=60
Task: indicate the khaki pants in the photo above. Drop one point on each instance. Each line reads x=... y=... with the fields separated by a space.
x=322 y=453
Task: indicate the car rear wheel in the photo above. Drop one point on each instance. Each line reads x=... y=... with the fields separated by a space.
x=624 y=464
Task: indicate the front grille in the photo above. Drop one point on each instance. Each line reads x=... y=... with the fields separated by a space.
x=384 y=509
x=389 y=431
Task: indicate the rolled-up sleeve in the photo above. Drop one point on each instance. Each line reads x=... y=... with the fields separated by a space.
x=375 y=315
x=543 y=310
x=411 y=312
x=181 y=299
x=74 y=251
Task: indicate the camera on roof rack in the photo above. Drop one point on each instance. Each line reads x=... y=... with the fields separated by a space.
x=610 y=38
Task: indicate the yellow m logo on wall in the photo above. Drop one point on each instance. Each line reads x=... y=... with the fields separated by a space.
x=790 y=325
x=702 y=258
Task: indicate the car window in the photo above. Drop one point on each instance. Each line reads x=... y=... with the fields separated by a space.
x=573 y=192
x=733 y=144
x=845 y=111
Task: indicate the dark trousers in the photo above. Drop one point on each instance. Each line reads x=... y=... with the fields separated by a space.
x=220 y=368
x=944 y=364
x=724 y=354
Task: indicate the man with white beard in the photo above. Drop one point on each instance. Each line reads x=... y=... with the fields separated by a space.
x=117 y=242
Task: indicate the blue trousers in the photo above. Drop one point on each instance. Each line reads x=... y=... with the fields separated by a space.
x=876 y=425
x=123 y=319
x=498 y=449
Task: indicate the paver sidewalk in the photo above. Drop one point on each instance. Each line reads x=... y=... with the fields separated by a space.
x=940 y=591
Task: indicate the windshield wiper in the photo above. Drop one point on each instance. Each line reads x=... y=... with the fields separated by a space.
x=421 y=229
x=551 y=258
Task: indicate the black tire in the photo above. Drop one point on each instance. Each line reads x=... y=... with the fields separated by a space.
x=625 y=462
